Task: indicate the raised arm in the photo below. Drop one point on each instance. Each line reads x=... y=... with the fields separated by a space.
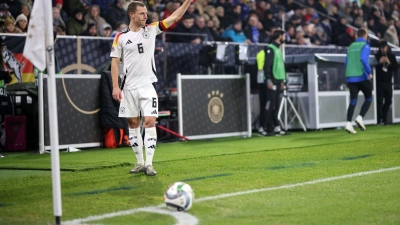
x=175 y=16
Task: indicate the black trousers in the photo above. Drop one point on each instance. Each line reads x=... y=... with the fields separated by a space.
x=262 y=97
x=384 y=94
x=354 y=88
x=271 y=108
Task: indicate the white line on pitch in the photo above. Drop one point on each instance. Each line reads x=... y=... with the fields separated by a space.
x=191 y=220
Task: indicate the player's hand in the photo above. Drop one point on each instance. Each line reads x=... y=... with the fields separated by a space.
x=282 y=87
x=370 y=76
x=117 y=94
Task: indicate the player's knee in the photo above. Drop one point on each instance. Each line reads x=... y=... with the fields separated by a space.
x=133 y=122
x=353 y=101
x=149 y=122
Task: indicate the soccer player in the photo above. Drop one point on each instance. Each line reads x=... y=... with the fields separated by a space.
x=136 y=46
x=358 y=74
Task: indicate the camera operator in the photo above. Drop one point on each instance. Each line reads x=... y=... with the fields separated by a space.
x=384 y=75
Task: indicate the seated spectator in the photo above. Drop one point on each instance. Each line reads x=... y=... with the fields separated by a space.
x=93 y=16
x=235 y=33
x=315 y=19
x=81 y=4
x=191 y=11
x=347 y=38
x=213 y=30
x=116 y=13
x=106 y=30
x=187 y=27
x=391 y=35
x=14 y=7
x=252 y=32
x=21 y=24
x=91 y=30
x=76 y=24
x=57 y=20
x=59 y=4
x=289 y=34
x=59 y=30
x=223 y=21
x=120 y=26
x=26 y=11
x=200 y=28
x=9 y=26
x=169 y=9
x=4 y=14
x=103 y=5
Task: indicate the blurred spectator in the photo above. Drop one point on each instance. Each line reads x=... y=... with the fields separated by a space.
x=91 y=30
x=59 y=30
x=120 y=26
x=26 y=11
x=381 y=27
x=244 y=12
x=93 y=16
x=76 y=24
x=21 y=24
x=326 y=26
x=209 y=14
x=379 y=7
x=153 y=17
x=200 y=5
x=395 y=13
x=333 y=12
x=4 y=14
x=269 y=20
x=252 y=32
x=226 y=4
x=186 y=27
x=169 y=9
x=28 y=3
x=295 y=20
x=106 y=30
x=274 y=8
x=288 y=5
x=371 y=25
x=201 y=28
x=57 y=20
x=235 y=33
x=366 y=7
x=81 y=4
x=224 y=21
x=117 y=13
x=289 y=33
x=14 y=7
x=338 y=29
x=103 y=5
x=9 y=26
x=310 y=12
x=391 y=35
x=347 y=38
x=315 y=19
x=320 y=6
x=320 y=38
x=59 y=4
x=213 y=30
x=191 y=11
x=261 y=7
x=233 y=15
x=310 y=3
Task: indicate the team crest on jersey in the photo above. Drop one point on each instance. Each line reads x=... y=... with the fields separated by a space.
x=122 y=110
x=146 y=35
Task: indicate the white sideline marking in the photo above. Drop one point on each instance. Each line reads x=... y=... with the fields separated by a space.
x=184 y=218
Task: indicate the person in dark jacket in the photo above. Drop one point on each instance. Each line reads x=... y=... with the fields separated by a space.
x=384 y=75
x=117 y=13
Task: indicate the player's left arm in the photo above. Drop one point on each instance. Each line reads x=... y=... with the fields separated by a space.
x=175 y=16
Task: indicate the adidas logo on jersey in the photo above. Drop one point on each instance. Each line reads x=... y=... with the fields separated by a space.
x=128 y=42
x=152 y=146
x=154 y=112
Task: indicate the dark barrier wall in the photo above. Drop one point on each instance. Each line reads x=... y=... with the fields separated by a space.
x=78 y=105
x=213 y=106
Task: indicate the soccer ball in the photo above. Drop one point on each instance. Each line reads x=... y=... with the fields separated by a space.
x=179 y=196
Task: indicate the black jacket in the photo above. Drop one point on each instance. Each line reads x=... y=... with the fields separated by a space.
x=382 y=76
x=269 y=62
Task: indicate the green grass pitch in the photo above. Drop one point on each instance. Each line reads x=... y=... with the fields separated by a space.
x=315 y=177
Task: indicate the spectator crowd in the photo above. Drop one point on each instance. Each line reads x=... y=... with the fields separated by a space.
x=305 y=22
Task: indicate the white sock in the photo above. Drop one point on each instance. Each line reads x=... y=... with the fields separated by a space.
x=150 y=141
x=136 y=141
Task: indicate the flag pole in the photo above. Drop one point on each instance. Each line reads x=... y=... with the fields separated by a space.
x=51 y=84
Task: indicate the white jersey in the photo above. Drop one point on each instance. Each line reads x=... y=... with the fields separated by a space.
x=138 y=54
